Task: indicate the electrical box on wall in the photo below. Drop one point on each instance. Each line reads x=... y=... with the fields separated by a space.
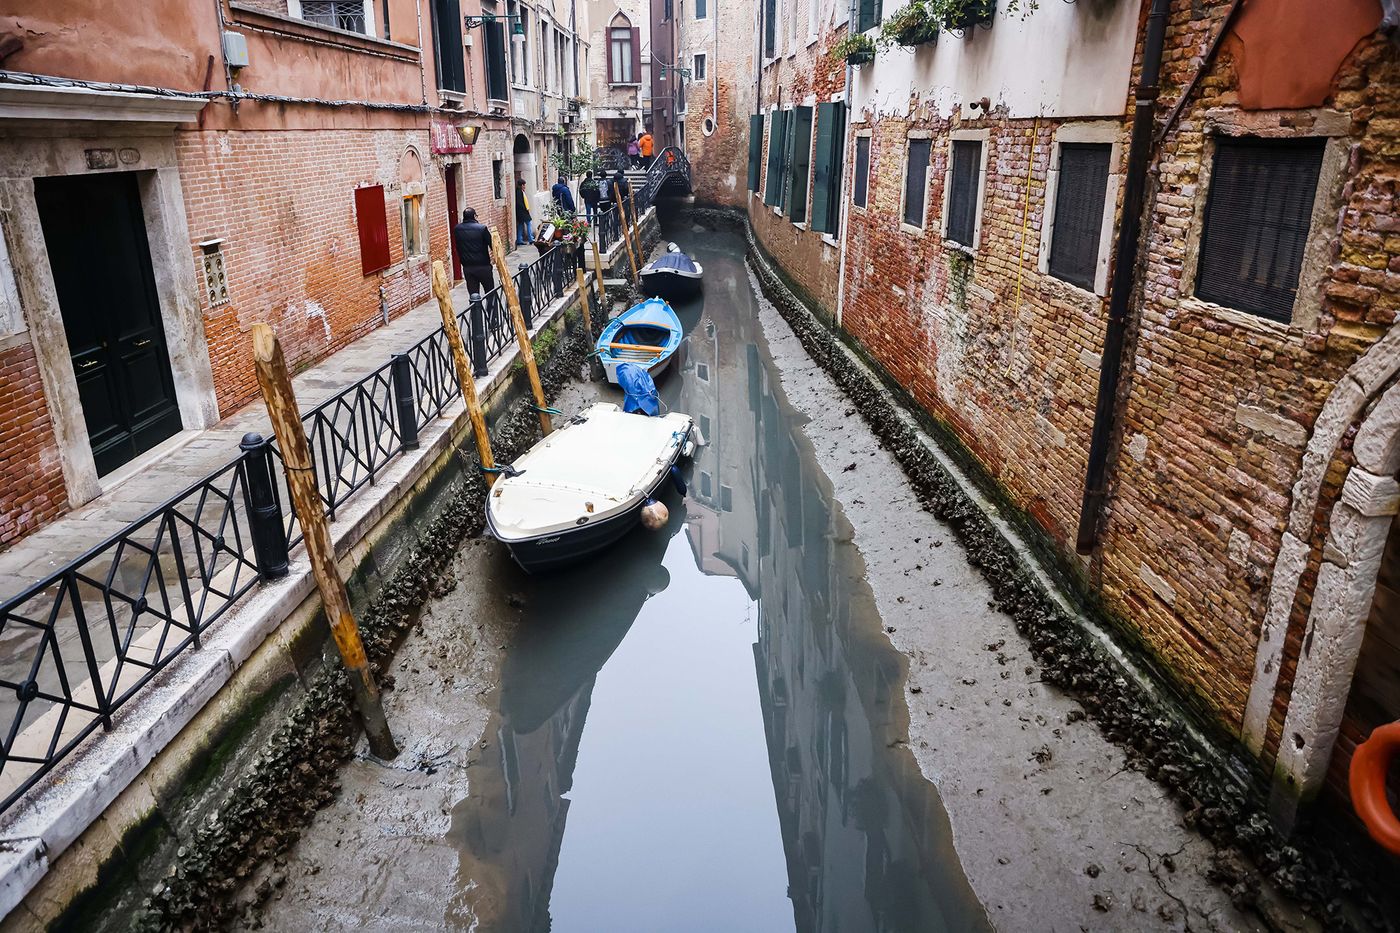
x=236 y=49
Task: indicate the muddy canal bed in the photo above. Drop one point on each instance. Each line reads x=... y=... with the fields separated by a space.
x=789 y=709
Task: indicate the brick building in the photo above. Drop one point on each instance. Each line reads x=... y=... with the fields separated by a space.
x=968 y=243
x=176 y=173
x=634 y=77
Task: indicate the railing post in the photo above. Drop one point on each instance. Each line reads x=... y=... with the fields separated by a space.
x=525 y=290
x=476 y=309
x=264 y=516
x=404 y=397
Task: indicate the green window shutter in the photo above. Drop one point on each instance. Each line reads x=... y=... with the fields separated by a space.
x=777 y=135
x=821 y=173
x=801 y=163
x=838 y=165
x=785 y=178
x=755 y=149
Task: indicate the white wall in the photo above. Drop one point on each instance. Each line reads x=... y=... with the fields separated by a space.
x=1063 y=60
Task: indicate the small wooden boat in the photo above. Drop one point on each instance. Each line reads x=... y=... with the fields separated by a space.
x=647 y=334
x=673 y=275
x=583 y=486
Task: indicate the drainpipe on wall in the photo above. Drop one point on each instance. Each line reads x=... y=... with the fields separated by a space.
x=422 y=68
x=841 y=214
x=1106 y=408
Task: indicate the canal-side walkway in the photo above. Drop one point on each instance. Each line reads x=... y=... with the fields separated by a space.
x=187 y=458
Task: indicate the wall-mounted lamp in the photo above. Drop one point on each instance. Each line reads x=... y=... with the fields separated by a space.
x=469 y=135
x=471 y=22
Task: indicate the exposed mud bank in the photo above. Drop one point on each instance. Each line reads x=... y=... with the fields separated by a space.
x=297 y=771
x=1252 y=857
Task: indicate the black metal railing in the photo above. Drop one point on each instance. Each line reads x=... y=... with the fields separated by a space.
x=611 y=158
x=79 y=643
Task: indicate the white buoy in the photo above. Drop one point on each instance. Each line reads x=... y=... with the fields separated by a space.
x=654 y=516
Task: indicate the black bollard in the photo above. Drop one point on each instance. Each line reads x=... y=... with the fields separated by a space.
x=264 y=515
x=405 y=399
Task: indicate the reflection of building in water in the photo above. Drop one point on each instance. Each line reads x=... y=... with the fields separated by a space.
x=867 y=843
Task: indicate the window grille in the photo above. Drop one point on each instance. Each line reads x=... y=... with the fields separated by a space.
x=1258 y=214
x=916 y=181
x=338 y=14
x=962 y=198
x=861 y=190
x=1079 y=201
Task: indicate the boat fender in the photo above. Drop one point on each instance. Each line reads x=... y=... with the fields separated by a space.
x=677 y=480
x=654 y=515
x=1369 y=765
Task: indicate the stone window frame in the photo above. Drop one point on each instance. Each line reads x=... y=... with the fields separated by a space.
x=782 y=169
x=1096 y=132
x=983 y=136
x=905 y=226
x=371 y=25
x=838 y=98
x=867 y=133
x=1332 y=125
x=809 y=101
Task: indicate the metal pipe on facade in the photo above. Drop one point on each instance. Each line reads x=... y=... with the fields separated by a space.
x=1124 y=273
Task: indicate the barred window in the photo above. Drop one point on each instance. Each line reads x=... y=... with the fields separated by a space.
x=962 y=196
x=861 y=189
x=916 y=181
x=1258 y=214
x=1079 y=203
x=338 y=14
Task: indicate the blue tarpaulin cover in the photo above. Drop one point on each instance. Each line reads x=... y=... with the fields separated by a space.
x=678 y=261
x=639 y=392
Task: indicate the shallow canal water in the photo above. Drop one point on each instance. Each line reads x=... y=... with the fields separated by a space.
x=704 y=727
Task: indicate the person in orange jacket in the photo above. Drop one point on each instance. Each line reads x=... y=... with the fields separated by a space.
x=647 y=143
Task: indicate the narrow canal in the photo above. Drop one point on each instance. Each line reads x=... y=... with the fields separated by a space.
x=703 y=728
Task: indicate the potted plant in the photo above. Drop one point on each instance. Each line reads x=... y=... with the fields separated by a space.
x=858 y=49
x=911 y=25
x=963 y=14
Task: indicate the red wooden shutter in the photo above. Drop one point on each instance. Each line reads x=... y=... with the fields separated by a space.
x=636 y=55
x=373 y=220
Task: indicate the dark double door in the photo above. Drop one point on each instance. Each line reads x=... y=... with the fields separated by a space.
x=95 y=235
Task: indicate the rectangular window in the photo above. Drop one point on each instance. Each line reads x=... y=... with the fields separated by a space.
x=700 y=11
x=860 y=188
x=868 y=15
x=1258 y=215
x=755 y=150
x=348 y=15
x=414 y=242
x=962 y=195
x=447 y=45
x=826 y=176
x=497 y=86
x=622 y=53
x=916 y=180
x=777 y=137
x=373 y=223
x=770 y=29
x=498 y=181
x=801 y=164
x=699 y=69
x=1078 y=222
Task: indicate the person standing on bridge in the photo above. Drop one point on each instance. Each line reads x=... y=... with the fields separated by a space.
x=634 y=151
x=473 y=241
x=647 y=144
x=524 y=230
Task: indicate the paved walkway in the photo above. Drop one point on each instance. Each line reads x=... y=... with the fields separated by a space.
x=66 y=539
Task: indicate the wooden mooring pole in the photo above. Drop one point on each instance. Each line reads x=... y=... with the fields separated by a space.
x=636 y=229
x=626 y=237
x=443 y=292
x=583 y=299
x=602 y=289
x=522 y=334
x=276 y=386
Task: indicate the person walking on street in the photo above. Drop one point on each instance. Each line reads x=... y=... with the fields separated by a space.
x=634 y=151
x=524 y=229
x=591 y=193
x=563 y=197
x=647 y=143
x=473 y=241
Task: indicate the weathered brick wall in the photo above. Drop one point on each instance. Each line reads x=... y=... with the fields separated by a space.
x=807 y=77
x=31 y=478
x=284 y=204
x=720 y=160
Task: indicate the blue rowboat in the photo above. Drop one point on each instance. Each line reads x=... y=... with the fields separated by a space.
x=647 y=334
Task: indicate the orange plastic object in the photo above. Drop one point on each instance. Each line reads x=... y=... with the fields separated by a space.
x=1369 y=765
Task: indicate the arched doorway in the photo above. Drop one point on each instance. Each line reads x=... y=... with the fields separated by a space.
x=524 y=169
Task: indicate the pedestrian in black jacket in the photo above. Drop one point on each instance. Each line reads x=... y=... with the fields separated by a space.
x=563 y=197
x=591 y=192
x=474 y=252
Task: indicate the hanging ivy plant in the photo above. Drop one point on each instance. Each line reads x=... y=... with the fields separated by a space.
x=858 y=49
x=911 y=25
x=964 y=14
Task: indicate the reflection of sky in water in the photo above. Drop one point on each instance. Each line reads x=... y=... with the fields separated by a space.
x=700 y=729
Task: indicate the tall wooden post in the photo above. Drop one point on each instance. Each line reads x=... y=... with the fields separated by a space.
x=443 y=292
x=602 y=289
x=626 y=238
x=522 y=334
x=583 y=300
x=301 y=481
x=636 y=227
